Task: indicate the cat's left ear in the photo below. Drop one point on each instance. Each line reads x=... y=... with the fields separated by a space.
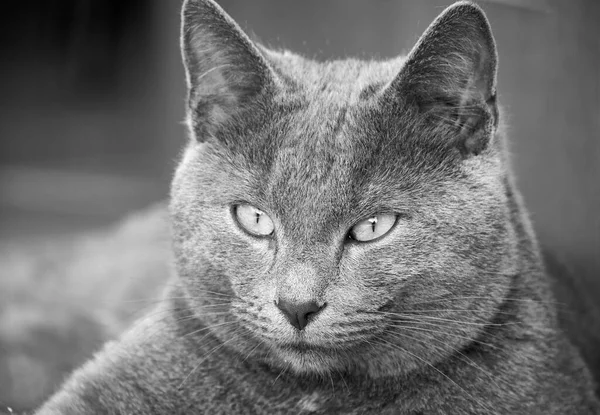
x=225 y=70
x=451 y=75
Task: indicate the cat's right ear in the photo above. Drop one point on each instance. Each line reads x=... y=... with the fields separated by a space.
x=225 y=71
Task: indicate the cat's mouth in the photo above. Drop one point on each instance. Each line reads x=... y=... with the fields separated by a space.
x=304 y=347
x=328 y=342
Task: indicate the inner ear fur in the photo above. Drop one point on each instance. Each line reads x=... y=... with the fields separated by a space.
x=225 y=70
x=450 y=76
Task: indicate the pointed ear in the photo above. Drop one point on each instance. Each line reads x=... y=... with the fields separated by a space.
x=225 y=71
x=451 y=75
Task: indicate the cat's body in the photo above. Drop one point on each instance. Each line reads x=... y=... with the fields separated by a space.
x=445 y=311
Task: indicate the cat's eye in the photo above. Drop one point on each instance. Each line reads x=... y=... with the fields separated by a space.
x=253 y=220
x=372 y=228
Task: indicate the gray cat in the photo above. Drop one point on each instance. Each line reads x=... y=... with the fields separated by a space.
x=347 y=239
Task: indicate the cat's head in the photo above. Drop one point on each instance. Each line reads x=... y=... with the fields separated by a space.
x=347 y=215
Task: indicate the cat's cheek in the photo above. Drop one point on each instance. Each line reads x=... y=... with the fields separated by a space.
x=386 y=273
x=363 y=281
x=246 y=265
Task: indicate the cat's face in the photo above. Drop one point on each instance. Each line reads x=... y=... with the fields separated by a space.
x=324 y=218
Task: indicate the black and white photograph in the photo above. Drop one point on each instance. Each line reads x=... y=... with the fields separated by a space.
x=384 y=207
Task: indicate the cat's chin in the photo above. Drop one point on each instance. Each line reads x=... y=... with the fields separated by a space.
x=358 y=359
x=307 y=359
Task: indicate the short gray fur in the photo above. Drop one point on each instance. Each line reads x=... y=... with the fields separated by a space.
x=449 y=313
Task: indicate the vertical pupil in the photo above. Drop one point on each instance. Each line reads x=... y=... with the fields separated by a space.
x=257 y=213
x=373 y=223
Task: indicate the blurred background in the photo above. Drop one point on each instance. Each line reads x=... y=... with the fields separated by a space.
x=92 y=100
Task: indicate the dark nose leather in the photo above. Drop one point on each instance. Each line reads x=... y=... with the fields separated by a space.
x=298 y=314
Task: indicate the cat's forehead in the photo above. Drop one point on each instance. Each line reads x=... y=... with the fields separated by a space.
x=327 y=98
x=338 y=80
x=331 y=159
x=329 y=115
x=323 y=150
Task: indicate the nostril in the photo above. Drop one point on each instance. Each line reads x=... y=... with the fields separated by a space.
x=298 y=313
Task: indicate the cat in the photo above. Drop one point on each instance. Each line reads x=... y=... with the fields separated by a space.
x=347 y=238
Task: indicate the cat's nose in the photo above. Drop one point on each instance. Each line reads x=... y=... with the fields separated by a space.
x=298 y=313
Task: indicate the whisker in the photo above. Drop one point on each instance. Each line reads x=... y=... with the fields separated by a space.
x=185 y=297
x=440 y=372
x=252 y=350
x=209 y=327
x=445 y=310
x=193 y=316
x=412 y=317
x=343 y=380
x=331 y=381
x=475 y=297
x=447 y=333
x=145 y=315
x=289 y=364
x=469 y=361
x=218 y=294
x=206 y=356
x=153 y=299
